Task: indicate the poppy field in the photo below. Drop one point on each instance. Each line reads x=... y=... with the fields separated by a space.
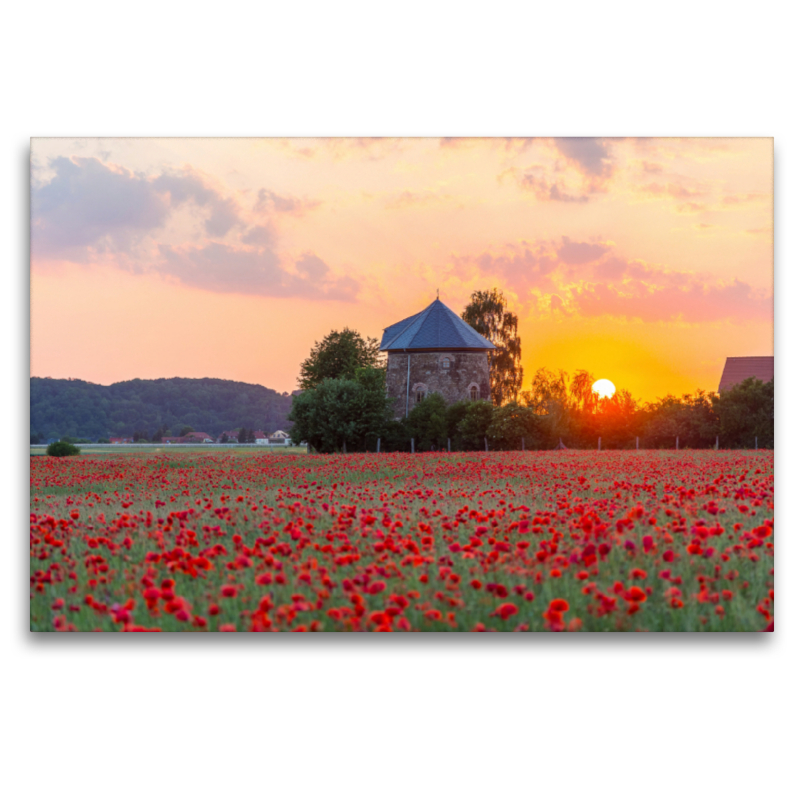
x=568 y=541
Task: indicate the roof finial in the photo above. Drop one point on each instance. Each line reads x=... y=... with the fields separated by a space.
x=437 y=294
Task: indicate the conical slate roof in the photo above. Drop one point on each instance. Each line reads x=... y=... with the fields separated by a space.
x=435 y=328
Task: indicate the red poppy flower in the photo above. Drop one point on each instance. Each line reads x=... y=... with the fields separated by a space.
x=505 y=611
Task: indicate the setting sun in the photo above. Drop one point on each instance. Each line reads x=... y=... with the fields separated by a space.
x=604 y=388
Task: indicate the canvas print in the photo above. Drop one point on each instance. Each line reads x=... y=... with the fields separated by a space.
x=402 y=385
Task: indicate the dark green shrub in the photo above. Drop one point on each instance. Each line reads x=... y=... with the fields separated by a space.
x=427 y=423
x=511 y=424
x=60 y=449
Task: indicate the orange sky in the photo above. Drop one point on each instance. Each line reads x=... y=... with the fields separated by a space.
x=645 y=261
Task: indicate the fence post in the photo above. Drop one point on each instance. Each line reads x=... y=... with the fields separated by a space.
x=344 y=446
x=756 y=442
x=523 y=444
x=677 y=439
x=486 y=443
x=412 y=444
x=637 y=442
x=379 y=445
x=599 y=442
x=716 y=446
x=448 y=445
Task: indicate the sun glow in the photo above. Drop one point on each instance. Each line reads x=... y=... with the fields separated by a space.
x=604 y=388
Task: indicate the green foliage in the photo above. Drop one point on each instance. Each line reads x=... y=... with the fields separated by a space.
x=78 y=408
x=567 y=409
x=339 y=355
x=487 y=313
x=342 y=412
x=473 y=428
x=549 y=398
x=186 y=429
x=427 y=423
x=745 y=411
x=692 y=419
x=511 y=424
x=61 y=449
x=453 y=418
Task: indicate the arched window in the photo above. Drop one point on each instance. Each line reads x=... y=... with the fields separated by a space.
x=420 y=395
x=473 y=392
x=445 y=363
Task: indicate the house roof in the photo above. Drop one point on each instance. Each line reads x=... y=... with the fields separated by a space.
x=738 y=369
x=434 y=328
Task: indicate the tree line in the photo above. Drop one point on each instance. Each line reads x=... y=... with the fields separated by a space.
x=80 y=409
x=344 y=405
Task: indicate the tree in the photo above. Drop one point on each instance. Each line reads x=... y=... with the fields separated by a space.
x=474 y=427
x=186 y=429
x=162 y=431
x=223 y=439
x=342 y=412
x=511 y=424
x=581 y=392
x=427 y=423
x=488 y=315
x=141 y=436
x=549 y=399
x=339 y=355
x=242 y=437
x=745 y=411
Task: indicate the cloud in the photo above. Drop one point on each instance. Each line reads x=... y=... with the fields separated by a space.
x=691 y=208
x=86 y=207
x=674 y=190
x=591 y=279
x=521 y=267
x=408 y=199
x=369 y=148
x=692 y=301
x=259 y=235
x=223 y=268
x=283 y=204
x=187 y=186
x=590 y=156
x=87 y=203
x=91 y=206
x=580 y=252
x=741 y=199
x=545 y=190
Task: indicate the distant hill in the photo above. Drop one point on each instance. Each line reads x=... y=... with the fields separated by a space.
x=89 y=410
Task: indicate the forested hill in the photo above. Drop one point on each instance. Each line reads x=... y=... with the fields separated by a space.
x=89 y=410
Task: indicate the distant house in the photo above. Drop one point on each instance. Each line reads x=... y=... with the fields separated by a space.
x=232 y=436
x=121 y=440
x=198 y=437
x=739 y=368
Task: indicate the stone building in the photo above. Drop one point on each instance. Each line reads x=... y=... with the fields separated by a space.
x=435 y=351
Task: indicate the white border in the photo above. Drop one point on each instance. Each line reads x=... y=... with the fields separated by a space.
x=658 y=716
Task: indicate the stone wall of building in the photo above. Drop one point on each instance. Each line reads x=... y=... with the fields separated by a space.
x=451 y=374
